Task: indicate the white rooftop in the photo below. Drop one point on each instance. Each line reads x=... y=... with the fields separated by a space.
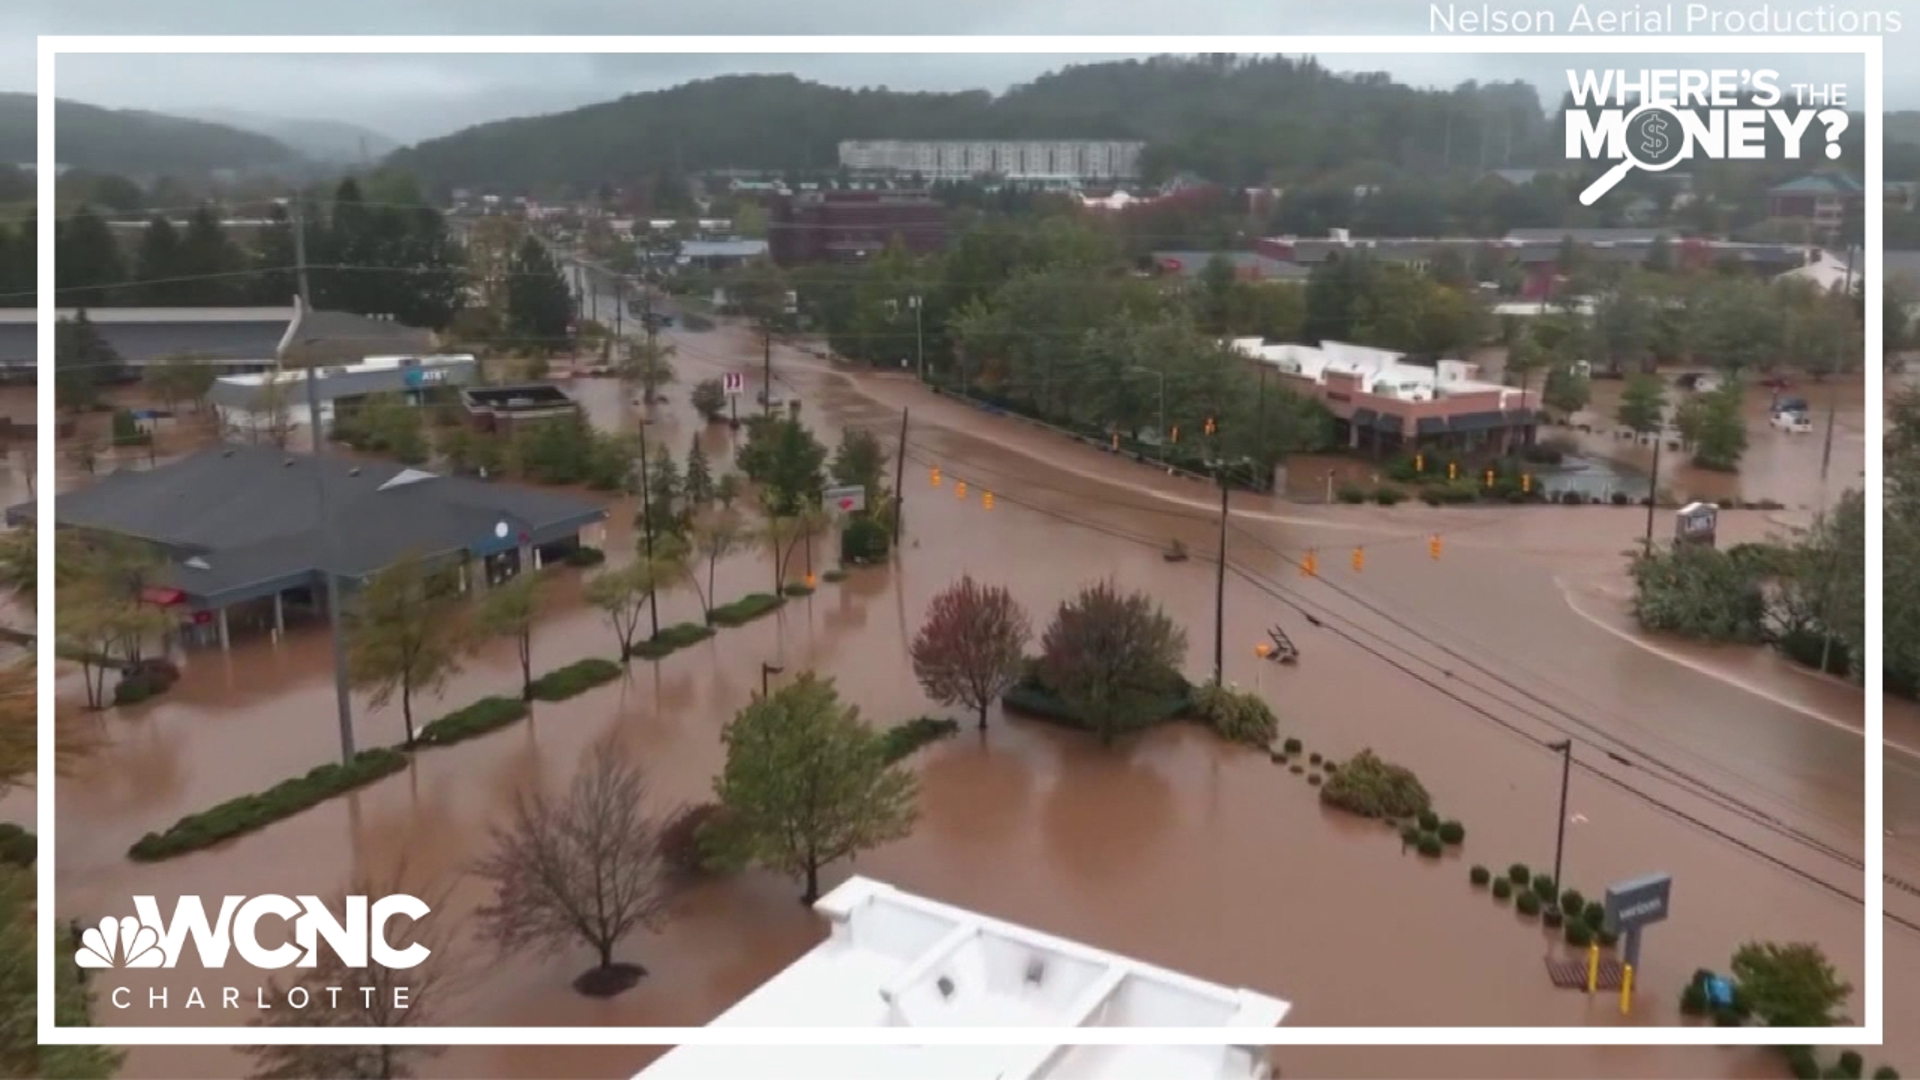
x=1380 y=371
x=370 y=364
x=898 y=960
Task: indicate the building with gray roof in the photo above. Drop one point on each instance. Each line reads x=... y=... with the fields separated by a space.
x=241 y=531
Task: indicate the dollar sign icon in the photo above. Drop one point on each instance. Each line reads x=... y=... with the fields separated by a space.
x=1654 y=136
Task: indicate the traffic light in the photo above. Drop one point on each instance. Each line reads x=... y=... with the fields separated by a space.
x=1116 y=442
x=959 y=489
x=1453 y=470
x=1176 y=433
x=933 y=477
x=1526 y=483
x=986 y=500
x=1359 y=559
x=1489 y=477
x=1433 y=546
x=1309 y=565
x=1419 y=463
x=1211 y=427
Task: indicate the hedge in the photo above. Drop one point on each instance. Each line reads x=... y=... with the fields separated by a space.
x=797 y=588
x=18 y=847
x=1031 y=698
x=1373 y=788
x=576 y=678
x=244 y=814
x=900 y=741
x=672 y=639
x=746 y=609
x=478 y=718
x=833 y=575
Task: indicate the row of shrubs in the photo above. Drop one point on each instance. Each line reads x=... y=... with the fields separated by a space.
x=1032 y=697
x=574 y=679
x=1539 y=895
x=671 y=640
x=746 y=609
x=1804 y=1063
x=246 y=813
x=487 y=714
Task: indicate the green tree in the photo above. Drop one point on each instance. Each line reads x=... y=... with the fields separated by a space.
x=20 y=1051
x=271 y=259
x=158 y=267
x=860 y=460
x=181 y=377
x=808 y=782
x=88 y=268
x=622 y=594
x=206 y=254
x=83 y=362
x=697 y=484
x=649 y=363
x=666 y=509
x=717 y=533
x=1790 y=985
x=404 y=637
x=1701 y=593
x=1643 y=404
x=1112 y=657
x=510 y=611
x=1719 y=431
x=1568 y=389
x=539 y=306
x=709 y=399
x=784 y=458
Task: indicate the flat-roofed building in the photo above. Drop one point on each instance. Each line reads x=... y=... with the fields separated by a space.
x=1022 y=159
x=893 y=960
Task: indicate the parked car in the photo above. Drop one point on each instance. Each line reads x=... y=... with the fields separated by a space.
x=1795 y=423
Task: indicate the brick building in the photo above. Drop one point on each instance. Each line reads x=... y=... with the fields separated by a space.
x=834 y=226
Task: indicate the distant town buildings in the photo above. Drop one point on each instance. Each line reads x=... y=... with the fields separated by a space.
x=1820 y=200
x=843 y=226
x=1036 y=160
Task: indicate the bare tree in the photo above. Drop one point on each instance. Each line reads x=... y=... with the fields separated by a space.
x=583 y=868
x=717 y=533
x=972 y=647
x=337 y=996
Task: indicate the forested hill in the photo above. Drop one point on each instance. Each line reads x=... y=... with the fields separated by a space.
x=130 y=142
x=1228 y=118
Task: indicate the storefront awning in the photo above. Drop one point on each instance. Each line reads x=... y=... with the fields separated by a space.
x=159 y=596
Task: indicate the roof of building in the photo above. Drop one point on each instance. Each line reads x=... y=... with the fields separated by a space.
x=722 y=249
x=1194 y=263
x=1520 y=177
x=239 y=519
x=1592 y=236
x=145 y=335
x=898 y=960
x=1819 y=184
x=318 y=336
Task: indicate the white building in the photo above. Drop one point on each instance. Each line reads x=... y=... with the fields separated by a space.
x=1033 y=159
x=1380 y=371
x=898 y=960
x=261 y=404
x=1825 y=270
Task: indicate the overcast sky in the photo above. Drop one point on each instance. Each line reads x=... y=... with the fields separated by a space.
x=414 y=97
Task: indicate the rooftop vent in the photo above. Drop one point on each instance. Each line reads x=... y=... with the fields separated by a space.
x=945 y=986
x=1036 y=971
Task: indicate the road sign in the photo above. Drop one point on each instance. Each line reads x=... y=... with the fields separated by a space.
x=848 y=498
x=736 y=384
x=1633 y=905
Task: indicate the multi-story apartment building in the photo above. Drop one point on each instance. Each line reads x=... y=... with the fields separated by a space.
x=1032 y=159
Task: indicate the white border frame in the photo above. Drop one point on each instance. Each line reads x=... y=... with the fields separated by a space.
x=1869 y=1032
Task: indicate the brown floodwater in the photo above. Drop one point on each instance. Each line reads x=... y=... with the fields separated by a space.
x=1171 y=847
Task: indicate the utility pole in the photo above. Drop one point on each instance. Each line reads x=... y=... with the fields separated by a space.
x=1220 y=587
x=1826 y=460
x=646 y=517
x=1565 y=749
x=343 y=696
x=919 y=339
x=899 y=479
x=766 y=396
x=1653 y=484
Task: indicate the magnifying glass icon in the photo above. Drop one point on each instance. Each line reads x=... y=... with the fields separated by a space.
x=1645 y=141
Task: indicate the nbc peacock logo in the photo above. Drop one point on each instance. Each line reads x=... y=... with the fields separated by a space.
x=125 y=942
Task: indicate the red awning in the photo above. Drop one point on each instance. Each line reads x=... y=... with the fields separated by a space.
x=154 y=594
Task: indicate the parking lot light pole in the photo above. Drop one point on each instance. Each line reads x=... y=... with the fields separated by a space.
x=1565 y=749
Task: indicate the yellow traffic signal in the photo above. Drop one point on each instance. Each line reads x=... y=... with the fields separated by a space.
x=1526 y=483
x=1419 y=463
x=933 y=477
x=812 y=581
x=1359 y=559
x=1211 y=426
x=1453 y=470
x=1489 y=477
x=1116 y=442
x=986 y=500
x=1176 y=433
x=1433 y=546
x=1309 y=565
x=959 y=489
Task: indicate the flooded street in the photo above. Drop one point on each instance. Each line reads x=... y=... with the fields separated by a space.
x=1737 y=773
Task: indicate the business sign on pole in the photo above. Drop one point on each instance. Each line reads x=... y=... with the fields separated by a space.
x=848 y=499
x=1633 y=905
x=736 y=384
x=1696 y=523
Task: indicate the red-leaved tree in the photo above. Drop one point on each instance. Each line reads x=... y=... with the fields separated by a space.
x=973 y=644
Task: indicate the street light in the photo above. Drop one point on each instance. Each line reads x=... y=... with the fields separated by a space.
x=1565 y=749
x=766 y=670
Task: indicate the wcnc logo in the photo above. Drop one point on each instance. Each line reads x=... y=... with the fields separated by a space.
x=148 y=941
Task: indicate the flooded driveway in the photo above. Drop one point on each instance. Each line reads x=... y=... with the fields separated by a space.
x=1740 y=776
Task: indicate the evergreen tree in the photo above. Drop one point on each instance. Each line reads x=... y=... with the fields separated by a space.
x=698 y=483
x=207 y=255
x=539 y=307
x=157 y=267
x=83 y=362
x=18 y=264
x=273 y=282
x=663 y=494
x=87 y=264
